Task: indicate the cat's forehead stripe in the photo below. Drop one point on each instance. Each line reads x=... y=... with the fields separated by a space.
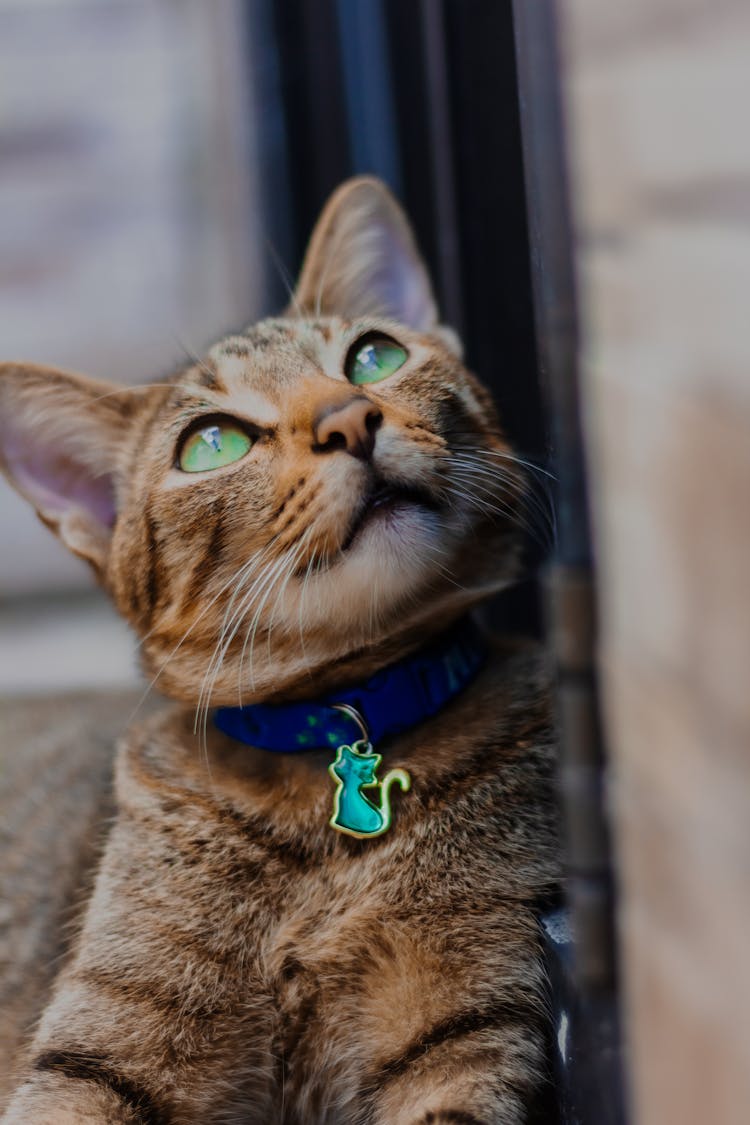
x=317 y=340
x=239 y=348
x=274 y=353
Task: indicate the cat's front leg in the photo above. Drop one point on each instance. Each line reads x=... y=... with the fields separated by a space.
x=467 y=1025
x=492 y=1081
x=160 y=1015
x=70 y=1089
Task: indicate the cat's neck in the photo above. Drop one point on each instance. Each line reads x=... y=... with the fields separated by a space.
x=396 y=698
x=316 y=672
x=498 y=713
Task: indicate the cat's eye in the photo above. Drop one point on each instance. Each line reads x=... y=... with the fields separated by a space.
x=211 y=446
x=374 y=359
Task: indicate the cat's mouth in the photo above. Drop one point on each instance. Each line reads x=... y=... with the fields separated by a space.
x=382 y=498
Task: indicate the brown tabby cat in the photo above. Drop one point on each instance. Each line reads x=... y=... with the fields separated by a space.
x=239 y=960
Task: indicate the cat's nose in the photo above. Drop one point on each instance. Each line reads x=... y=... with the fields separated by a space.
x=350 y=426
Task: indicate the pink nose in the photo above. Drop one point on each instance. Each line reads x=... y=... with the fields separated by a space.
x=350 y=426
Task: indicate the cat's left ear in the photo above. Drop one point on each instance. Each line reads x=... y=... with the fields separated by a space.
x=363 y=260
x=60 y=437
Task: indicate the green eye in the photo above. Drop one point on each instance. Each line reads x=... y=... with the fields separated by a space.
x=213 y=446
x=375 y=360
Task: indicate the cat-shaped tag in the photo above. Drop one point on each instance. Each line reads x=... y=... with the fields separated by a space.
x=353 y=771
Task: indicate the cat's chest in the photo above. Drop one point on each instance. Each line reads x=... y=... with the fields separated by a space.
x=245 y=840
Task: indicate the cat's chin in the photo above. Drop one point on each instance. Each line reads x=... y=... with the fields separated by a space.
x=396 y=550
x=390 y=590
x=409 y=573
x=390 y=507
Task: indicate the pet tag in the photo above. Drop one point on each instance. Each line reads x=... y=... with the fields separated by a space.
x=354 y=770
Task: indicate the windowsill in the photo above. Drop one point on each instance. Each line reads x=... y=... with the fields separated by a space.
x=69 y=642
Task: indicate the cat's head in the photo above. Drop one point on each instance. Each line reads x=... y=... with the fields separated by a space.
x=309 y=501
x=362 y=767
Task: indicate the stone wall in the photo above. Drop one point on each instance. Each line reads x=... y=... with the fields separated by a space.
x=657 y=94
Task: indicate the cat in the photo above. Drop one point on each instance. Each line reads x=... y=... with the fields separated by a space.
x=311 y=510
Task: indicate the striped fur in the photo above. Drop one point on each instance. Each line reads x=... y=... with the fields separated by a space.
x=238 y=961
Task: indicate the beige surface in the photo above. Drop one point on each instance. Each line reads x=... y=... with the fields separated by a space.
x=657 y=95
x=56 y=755
x=70 y=642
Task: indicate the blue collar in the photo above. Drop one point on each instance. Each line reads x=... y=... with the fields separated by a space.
x=393 y=700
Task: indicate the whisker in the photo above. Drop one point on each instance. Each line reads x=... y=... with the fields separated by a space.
x=514 y=458
x=196 y=391
x=487 y=509
x=524 y=516
x=499 y=507
x=300 y=609
x=231 y=621
x=229 y=615
x=196 y=359
x=525 y=498
x=224 y=642
x=300 y=549
x=183 y=638
x=284 y=575
x=284 y=275
x=525 y=487
x=263 y=593
x=292 y=569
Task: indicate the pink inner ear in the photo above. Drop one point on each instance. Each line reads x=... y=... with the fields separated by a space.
x=55 y=482
x=401 y=284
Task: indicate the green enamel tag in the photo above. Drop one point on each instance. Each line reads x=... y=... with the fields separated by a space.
x=353 y=771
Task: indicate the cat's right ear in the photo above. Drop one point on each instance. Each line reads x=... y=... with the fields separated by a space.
x=363 y=260
x=60 y=439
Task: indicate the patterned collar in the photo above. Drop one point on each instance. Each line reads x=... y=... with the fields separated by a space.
x=393 y=700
